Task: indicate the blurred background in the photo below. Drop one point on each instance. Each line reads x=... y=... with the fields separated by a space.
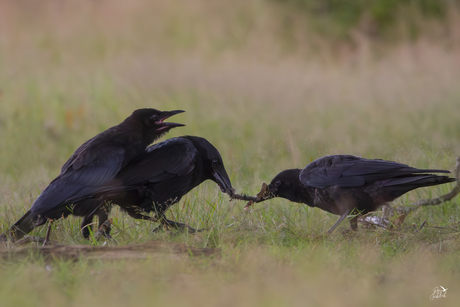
x=264 y=80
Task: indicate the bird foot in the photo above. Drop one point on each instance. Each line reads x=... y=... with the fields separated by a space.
x=101 y=234
x=104 y=230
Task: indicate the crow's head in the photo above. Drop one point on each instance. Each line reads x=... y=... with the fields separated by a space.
x=152 y=120
x=213 y=166
x=285 y=184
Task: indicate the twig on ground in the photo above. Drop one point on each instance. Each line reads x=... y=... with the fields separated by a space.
x=445 y=228
x=421 y=226
x=29 y=239
x=435 y=201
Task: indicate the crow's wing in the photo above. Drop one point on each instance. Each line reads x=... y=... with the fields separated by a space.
x=349 y=171
x=95 y=148
x=92 y=168
x=96 y=167
x=165 y=160
x=80 y=151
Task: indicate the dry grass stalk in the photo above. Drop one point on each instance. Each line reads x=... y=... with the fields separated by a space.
x=434 y=201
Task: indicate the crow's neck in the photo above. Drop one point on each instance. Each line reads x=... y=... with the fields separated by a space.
x=137 y=134
x=303 y=194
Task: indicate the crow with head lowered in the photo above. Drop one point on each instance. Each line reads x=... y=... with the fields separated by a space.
x=91 y=166
x=159 y=178
x=345 y=184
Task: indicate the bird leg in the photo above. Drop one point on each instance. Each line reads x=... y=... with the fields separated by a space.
x=85 y=224
x=342 y=217
x=104 y=222
x=134 y=213
x=354 y=223
x=162 y=220
x=48 y=232
x=103 y=215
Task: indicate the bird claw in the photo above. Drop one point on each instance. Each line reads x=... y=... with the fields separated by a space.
x=99 y=235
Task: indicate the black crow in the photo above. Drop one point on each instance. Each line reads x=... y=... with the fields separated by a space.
x=92 y=165
x=345 y=184
x=159 y=178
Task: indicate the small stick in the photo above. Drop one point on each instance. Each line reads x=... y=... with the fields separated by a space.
x=435 y=201
x=421 y=226
x=242 y=197
x=446 y=228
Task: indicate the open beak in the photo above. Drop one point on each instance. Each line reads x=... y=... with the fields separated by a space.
x=166 y=115
x=223 y=181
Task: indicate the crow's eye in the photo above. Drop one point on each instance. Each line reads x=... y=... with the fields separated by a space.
x=277 y=183
x=214 y=162
x=155 y=117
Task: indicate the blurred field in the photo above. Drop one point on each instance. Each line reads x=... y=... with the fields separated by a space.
x=270 y=95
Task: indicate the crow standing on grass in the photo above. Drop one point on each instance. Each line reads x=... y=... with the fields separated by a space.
x=159 y=178
x=344 y=184
x=92 y=165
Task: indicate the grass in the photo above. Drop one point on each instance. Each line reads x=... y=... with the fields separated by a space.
x=375 y=18
x=71 y=70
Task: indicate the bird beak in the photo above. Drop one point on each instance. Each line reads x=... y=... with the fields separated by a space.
x=221 y=178
x=271 y=188
x=266 y=192
x=165 y=115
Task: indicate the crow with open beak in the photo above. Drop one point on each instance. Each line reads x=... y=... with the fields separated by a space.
x=95 y=163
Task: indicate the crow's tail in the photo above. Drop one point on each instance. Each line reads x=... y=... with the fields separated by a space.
x=24 y=225
x=400 y=185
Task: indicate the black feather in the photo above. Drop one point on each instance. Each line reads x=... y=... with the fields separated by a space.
x=341 y=184
x=95 y=163
x=161 y=176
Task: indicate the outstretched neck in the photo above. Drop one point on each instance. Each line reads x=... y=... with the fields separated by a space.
x=291 y=187
x=299 y=193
